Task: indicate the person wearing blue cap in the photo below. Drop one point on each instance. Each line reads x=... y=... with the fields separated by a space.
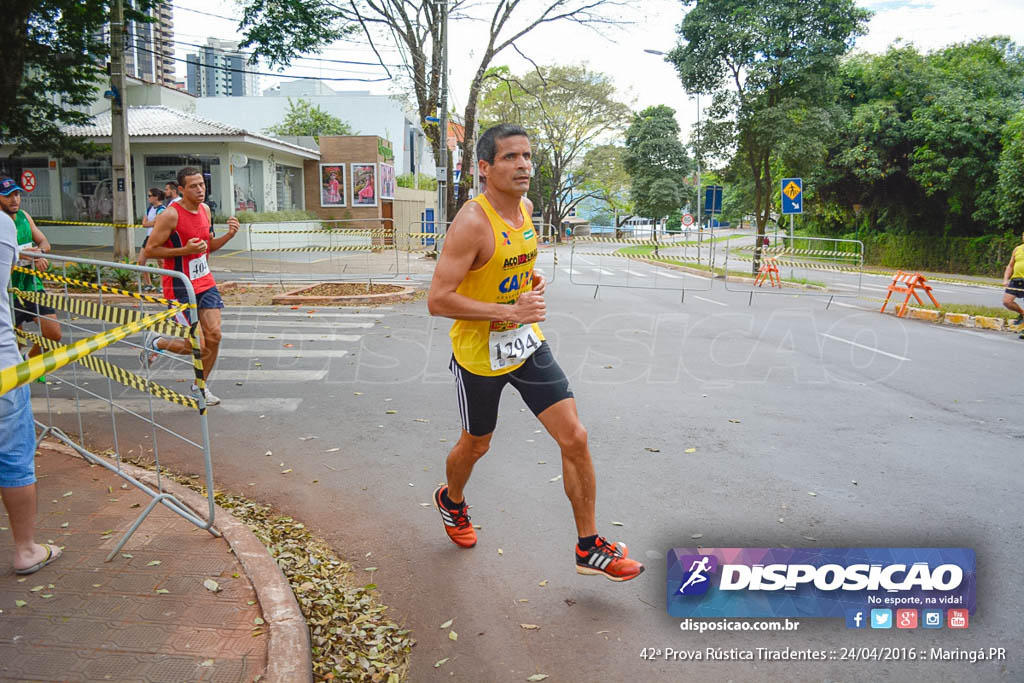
x=28 y=234
x=18 y=445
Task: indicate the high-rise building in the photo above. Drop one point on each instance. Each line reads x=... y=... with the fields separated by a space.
x=220 y=70
x=149 y=46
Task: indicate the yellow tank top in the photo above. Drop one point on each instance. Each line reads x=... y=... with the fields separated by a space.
x=507 y=274
x=1018 y=261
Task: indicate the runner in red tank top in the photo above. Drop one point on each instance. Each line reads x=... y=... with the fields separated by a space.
x=183 y=237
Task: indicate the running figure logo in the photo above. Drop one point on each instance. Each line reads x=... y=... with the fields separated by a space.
x=698 y=569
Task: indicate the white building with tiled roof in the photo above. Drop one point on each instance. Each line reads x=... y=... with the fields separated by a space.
x=244 y=170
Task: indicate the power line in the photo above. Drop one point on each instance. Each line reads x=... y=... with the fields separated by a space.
x=259 y=73
x=249 y=54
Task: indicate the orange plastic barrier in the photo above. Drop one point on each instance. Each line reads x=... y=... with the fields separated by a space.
x=768 y=271
x=909 y=284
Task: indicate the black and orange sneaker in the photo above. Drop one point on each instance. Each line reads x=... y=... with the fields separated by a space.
x=456 y=521
x=610 y=560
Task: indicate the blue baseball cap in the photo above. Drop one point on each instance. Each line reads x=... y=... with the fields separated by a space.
x=9 y=185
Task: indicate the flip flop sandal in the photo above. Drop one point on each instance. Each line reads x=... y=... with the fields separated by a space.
x=50 y=557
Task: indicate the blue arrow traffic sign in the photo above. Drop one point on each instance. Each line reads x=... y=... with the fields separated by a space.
x=792 y=196
x=712 y=200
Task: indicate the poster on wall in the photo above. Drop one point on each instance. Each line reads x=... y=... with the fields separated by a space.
x=387 y=181
x=332 y=185
x=364 y=184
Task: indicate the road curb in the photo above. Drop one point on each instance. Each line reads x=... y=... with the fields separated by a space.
x=289 y=657
x=981 y=322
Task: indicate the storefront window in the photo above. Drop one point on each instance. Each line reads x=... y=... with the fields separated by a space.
x=86 y=192
x=289 y=188
x=164 y=169
x=249 y=186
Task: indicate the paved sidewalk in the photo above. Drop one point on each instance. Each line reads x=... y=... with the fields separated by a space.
x=86 y=620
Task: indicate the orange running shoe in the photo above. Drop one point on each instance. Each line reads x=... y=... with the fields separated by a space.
x=456 y=521
x=608 y=559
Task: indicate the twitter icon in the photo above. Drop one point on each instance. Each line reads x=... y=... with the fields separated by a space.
x=881 y=618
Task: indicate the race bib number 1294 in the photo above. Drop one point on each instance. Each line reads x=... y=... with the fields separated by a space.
x=513 y=346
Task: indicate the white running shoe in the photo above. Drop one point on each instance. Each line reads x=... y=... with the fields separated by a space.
x=211 y=400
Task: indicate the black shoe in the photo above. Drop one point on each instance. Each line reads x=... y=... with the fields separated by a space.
x=1018 y=321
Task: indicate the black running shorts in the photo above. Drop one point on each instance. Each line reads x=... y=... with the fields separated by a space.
x=1016 y=288
x=27 y=311
x=539 y=381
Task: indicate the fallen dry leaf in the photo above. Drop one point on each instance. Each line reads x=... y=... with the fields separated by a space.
x=447 y=623
x=652 y=450
x=211 y=585
x=690 y=450
x=439 y=662
x=529 y=627
x=537 y=677
x=452 y=635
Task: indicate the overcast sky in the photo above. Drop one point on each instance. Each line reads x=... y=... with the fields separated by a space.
x=643 y=79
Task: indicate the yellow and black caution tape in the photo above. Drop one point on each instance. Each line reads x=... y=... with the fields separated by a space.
x=333 y=231
x=116 y=373
x=631 y=240
x=50 y=221
x=45 y=275
x=637 y=257
x=782 y=251
x=809 y=265
x=98 y=311
x=336 y=247
x=37 y=366
x=435 y=235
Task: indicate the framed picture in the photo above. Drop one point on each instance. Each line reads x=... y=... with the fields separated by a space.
x=332 y=185
x=364 y=184
x=387 y=181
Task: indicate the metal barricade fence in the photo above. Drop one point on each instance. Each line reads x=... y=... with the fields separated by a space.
x=426 y=238
x=422 y=242
x=344 y=249
x=802 y=266
x=98 y=338
x=670 y=262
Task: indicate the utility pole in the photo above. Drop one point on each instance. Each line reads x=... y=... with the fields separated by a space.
x=124 y=242
x=442 y=171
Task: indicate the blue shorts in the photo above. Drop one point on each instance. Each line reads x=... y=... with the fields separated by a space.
x=208 y=299
x=18 y=446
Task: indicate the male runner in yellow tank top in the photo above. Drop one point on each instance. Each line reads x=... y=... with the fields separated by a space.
x=485 y=281
x=1013 y=280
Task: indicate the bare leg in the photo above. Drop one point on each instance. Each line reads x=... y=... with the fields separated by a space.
x=1011 y=303
x=20 y=502
x=50 y=328
x=209 y=340
x=209 y=323
x=563 y=423
x=461 y=460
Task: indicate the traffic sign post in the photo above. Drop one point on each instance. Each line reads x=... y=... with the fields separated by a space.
x=792 y=199
x=28 y=180
x=713 y=200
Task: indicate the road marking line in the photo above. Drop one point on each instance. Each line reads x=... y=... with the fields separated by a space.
x=584 y=260
x=671 y=275
x=293 y=337
x=862 y=346
x=633 y=273
x=859 y=308
x=710 y=301
x=247 y=352
x=298 y=314
x=255 y=375
x=305 y=327
x=141 y=405
x=605 y=272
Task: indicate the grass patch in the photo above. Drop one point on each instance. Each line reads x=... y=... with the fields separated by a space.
x=648 y=249
x=970 y=309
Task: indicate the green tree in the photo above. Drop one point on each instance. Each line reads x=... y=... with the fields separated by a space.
x=305 y=118
x=1011 y=175
x=55 y=55
x=657 y=163
x=565 y=109
x=280 y=30
x=605 y=177
x=770 y=66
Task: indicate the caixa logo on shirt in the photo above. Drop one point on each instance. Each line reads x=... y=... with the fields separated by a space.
x=808 y=582
x=515 y=282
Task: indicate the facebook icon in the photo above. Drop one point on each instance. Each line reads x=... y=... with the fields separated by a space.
x=856 y=618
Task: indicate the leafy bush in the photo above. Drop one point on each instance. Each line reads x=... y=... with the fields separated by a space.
x=268 y=216
x=984 y=255
x=407 y=180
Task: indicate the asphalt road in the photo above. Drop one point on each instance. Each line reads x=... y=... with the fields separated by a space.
x=908 y=433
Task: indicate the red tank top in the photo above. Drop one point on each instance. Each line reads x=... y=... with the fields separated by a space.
x=195 y=266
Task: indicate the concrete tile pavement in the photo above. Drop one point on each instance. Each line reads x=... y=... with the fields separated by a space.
x=85 y=619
